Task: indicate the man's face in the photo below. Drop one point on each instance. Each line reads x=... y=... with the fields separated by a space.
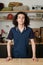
x=21 y=19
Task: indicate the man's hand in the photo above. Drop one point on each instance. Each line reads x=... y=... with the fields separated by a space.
x=8 y=59
x=34 y=59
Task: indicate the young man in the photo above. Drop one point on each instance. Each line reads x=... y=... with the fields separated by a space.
x=21 y=34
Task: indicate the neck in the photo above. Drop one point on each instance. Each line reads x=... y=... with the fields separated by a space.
x=20 y=26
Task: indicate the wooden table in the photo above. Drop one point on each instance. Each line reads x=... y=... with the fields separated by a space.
x=16 y=61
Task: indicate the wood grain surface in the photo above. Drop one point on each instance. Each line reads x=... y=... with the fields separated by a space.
x=16 y=61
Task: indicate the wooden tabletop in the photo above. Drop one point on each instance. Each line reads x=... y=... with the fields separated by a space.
x=26 y=61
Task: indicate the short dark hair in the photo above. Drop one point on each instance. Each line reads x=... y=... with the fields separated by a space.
x=27 y=21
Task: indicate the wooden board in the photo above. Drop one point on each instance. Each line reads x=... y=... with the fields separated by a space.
x=21 y=61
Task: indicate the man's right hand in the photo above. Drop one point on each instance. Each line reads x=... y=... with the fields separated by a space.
x=9 y=58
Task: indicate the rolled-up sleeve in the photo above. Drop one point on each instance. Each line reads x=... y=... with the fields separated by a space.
x=31 y=36
x=10 y=35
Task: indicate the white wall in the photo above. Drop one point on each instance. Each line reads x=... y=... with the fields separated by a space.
x=36 y=24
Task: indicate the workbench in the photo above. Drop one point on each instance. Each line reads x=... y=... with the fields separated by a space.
x=21 y=61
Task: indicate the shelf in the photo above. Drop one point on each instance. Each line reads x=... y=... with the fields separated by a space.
x=5 y=19
x=37 y=19
x=27 y=11
x=13 y=43
x=5 y=43
x=34 y=19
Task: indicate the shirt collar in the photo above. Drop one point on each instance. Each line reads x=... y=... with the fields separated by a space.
x=17 y=28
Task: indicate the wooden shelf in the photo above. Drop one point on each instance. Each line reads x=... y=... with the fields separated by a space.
x=13 y=43
x=34 y=19
x=5 y=19
x=5 y=43
x=27 y=11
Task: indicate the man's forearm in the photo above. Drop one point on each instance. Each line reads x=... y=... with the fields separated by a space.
x=34 y=49
x=9 y=49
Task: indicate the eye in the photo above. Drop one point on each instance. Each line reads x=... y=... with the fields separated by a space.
x=18 y=17
x=23 y=17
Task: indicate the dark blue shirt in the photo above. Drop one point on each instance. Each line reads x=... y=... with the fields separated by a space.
x=21 y=41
